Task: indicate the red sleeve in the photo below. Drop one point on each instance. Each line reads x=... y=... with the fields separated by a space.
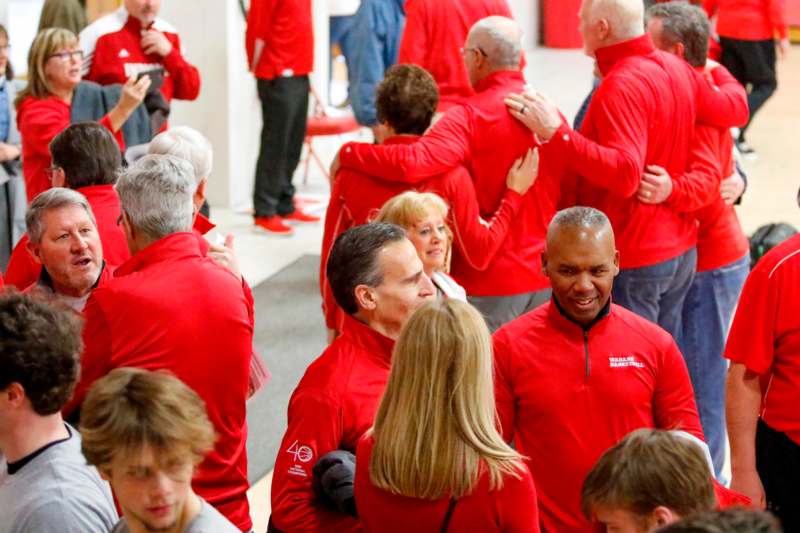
x=699 y=186
x=444 y=147
x=314 y=430
x=22 y=269
x=721 y=102
x=519 y=510
x=777 y=15
x=42 y=120
x=476 y=239
x=96 y=357
x=414 y=43
x=257 y=26
x=185 y=76
x=673 y=402
x=337 y=220
x=106 y=123
x=751 y=340
x=616 y=160
x=503 y=389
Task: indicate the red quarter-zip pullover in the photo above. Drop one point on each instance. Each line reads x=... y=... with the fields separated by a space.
x=643 y=113
x=566 y=394
x=749 y=20
x=332 y=407
x=170 y=307
x=483 y=137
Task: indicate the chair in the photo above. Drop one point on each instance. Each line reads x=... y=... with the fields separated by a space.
x=320 y=124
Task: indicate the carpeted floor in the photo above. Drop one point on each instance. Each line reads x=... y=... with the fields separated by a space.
x=289 y=334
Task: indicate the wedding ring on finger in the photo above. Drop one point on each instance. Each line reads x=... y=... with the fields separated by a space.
x=522 y=109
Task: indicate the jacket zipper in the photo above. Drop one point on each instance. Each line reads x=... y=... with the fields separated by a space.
x=586 y=352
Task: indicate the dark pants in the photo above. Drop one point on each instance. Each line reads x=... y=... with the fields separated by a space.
x=778 y=465
x=753 y=64
x=657 y=292
x=707 y=313
x=284 y=109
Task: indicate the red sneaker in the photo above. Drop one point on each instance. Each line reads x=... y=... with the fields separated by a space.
x=274 y=225
x=301 y=216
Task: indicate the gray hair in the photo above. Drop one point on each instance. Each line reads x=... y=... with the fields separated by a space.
x=580 y=217
x=500 y=39
x=186 y=143
x=684 y=23
x=156 y=193
x=54 y=198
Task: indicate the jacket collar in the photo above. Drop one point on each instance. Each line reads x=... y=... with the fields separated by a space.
x=99 y=193
x=608 y=56
x=202 y=225
x=370 y=341
x=559 y=317
x=173 y=247
x=132 y=23
x=501 y=77
x=401 y=139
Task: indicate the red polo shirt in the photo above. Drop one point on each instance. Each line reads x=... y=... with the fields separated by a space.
x=765 y=335
x=356 y=199
x=434 y=33
x=643 y=113
x=511 y=508
x=113 y=48
x=24 y=270
x=39 y=120
x=279 y=38
x=331 y=408
x=749 y=20
x=483 y=137
x=169 y=307
x=565 y=395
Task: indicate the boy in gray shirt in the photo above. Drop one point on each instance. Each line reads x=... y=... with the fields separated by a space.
x=45 y=484
x=146 y=432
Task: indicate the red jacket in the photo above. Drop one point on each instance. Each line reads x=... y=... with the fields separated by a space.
x=24 y=270
x=114 y=53
x=331 y=408
x=765 y=335
x=483 y=137
x=643 y=113
x=434 y=33
x=512 y=509
x=565 y=395
x=279 y=38
x=170 y=308
x=39 y=120
x=356 y=198
x=749 y=20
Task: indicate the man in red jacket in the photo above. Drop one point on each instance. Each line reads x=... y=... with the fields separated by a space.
x=481 y=136
x=86 y=158
x=723 y=252
x=642 y=114
x=579 y=373
x=749 y=31
x=434 y=32
x=378 y=280
x=280 y=53
x=171 y=307
x=132 y=40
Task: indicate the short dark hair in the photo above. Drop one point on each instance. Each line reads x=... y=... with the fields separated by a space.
x=732 y=520
x=354 y=260
x=406 y=99
x=40 y=346
x=684 y=23
x=88 y=154
x=647 y=469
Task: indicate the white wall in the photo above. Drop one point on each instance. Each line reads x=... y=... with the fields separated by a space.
x=526 y=13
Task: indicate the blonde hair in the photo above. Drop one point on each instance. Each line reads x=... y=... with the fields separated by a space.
x=47 y=42
x=130 y=408
x=435 y=431
x=408 y=208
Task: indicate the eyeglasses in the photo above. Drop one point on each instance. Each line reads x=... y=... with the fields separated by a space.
x=477 y=50
x=65 y=56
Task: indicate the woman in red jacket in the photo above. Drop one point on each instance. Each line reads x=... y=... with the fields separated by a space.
x=45 y=105
x=434 y=460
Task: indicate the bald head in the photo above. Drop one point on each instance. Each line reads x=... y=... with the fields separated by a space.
x=500 y=38
x=608 y=22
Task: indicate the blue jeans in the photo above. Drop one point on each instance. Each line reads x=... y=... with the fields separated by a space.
x=707 y=314
x=656 y=292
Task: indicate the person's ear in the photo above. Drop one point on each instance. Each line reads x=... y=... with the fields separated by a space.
x=544 y=262
x=34 y=248
x=661 y=516
x=200 y=193
x=616 y=262
x=59 y=177
x=365 y=297
x=105 y=472
x=603 y=29
x=679 y=50
x=14 y=394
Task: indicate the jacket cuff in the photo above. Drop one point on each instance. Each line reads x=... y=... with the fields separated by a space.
x=173 y=61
